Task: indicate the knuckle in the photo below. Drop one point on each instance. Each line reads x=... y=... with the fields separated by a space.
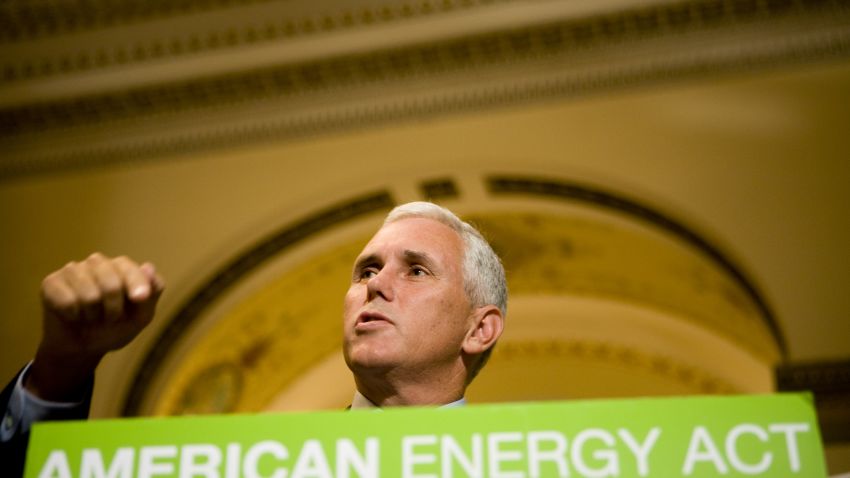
x=64 y=304
x=123 y=259
x=111 y=291
x=95 y=256
x=75 y=268
x=111 y=286
x=90 y=297
x=124 y=264
x=50 y=280
x=54 y=299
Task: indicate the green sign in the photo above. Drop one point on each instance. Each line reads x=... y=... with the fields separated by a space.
x=763 y=436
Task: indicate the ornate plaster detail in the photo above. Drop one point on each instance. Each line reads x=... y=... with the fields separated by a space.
x=556 y=57
x=26 y=20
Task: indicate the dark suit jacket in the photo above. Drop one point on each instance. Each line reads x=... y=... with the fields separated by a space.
x=14 y=452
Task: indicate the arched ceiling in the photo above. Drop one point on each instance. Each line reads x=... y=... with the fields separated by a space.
x=605 y=291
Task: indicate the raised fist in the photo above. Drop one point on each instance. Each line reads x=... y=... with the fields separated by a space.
x=89 y=309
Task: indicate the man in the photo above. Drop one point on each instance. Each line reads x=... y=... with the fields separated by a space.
x=427 y=303
x=89 y=308
x=425 y=307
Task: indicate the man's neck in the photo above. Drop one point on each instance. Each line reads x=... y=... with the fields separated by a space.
x=385 y=392
x=360 y=402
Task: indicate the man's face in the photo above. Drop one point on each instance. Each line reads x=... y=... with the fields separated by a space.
x=407 y=309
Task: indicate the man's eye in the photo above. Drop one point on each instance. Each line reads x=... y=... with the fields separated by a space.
x=368 y=273
x=418 y=271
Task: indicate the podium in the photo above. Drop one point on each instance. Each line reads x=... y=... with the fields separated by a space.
x=771 y=436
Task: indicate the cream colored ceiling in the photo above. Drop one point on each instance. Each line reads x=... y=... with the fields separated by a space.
x=730 y=117
x=104 y=82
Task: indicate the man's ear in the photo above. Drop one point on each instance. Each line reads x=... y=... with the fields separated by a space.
x=485 y=330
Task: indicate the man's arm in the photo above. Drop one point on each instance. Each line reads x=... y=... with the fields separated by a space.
x=89 y=308
x=22 y=409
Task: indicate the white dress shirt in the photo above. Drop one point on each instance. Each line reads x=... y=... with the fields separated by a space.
x=24 y=409
x=360 y=402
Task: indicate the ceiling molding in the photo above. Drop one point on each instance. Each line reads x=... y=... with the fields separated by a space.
x=46 y=127
x=29 y=20
x=513 y=185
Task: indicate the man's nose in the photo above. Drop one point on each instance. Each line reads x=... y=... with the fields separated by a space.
x=380 y=285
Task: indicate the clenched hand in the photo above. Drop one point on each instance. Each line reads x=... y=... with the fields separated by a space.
x=89 y=308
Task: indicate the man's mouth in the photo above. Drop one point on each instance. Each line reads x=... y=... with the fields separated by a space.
x=371 y=319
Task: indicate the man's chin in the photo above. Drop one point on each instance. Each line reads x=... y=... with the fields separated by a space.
x=369 y=362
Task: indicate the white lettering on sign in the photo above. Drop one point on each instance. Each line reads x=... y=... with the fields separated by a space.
x=231 y=469
x=452 y=452
x=198 y=461
x=265 y=459
x=348 y=457
x=555 y=453
x=410 y=457
x=609 y=457
x=252 y=458
x=92 y=465
x=156 y=461
x=640 y=451
x=702 y=448
x=744 y=449
x=312 y=462
x=732 y=449
x=594 y=454
x=790 y=431
x=56 y=466
x=498 y=453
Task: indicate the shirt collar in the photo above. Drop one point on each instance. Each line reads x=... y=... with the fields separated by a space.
x=361 y=402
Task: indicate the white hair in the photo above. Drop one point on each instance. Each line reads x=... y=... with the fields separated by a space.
x=483 y=273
